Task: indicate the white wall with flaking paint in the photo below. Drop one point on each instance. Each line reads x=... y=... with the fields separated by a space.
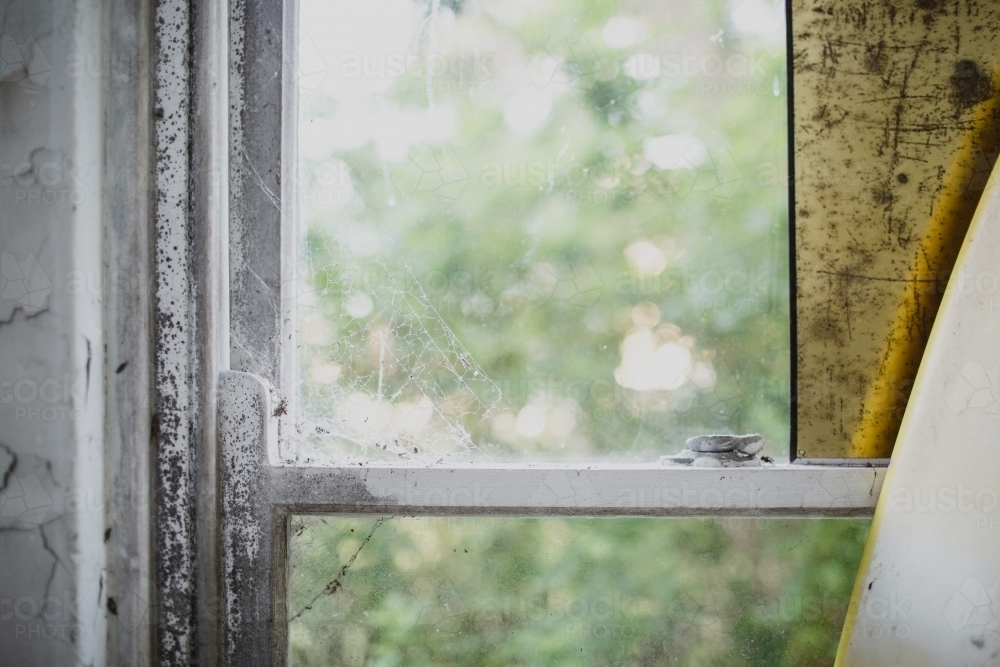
x=52 y=368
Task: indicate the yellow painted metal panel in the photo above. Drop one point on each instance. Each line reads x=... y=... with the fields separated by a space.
x=896 y=127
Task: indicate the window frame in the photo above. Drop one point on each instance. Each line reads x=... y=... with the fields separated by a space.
x=260 y=494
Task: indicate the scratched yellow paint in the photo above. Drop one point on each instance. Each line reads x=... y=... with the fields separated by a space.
x=896 y=127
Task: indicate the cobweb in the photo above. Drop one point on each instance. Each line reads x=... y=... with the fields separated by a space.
x=385 y=377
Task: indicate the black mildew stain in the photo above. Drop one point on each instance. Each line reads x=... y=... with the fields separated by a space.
x=876 y=57
x=881 y=195
x=281 y=408
x=828 y=328
x=969 y=84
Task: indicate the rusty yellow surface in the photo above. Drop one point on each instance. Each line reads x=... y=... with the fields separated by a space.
x=896 y=125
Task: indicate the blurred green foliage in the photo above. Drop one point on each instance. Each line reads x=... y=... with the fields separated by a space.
x=463 y=592
x=499 y=245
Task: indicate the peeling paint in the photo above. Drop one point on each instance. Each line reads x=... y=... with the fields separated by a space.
x=244 y=407
x=51 y=457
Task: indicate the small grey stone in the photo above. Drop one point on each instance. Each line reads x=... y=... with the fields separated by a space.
x=752 y=446
x=748 y=444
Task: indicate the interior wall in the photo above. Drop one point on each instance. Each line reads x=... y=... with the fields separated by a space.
x=66 y=270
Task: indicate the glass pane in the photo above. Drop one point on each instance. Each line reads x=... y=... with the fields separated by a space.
x=458 y=591
x=540 y=231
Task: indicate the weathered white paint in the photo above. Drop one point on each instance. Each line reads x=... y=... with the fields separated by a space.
x=127 y=237
x=620 y=490
x=52 y=367
x=190 y=318
x=175 y=334
x=209 y=220
x=253 y=535
x=927 y=590
x=255 y=186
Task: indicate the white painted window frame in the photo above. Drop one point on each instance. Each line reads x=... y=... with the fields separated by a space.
x=260 y=494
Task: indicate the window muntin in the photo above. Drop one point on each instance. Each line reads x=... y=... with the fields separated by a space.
x=539 y=232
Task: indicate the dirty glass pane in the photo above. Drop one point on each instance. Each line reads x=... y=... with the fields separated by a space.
x=539 y=231
x=490 y=591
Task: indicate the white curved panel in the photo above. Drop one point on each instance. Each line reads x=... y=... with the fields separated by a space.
x=927 y=589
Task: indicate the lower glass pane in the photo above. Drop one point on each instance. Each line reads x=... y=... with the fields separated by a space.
x=554 y=591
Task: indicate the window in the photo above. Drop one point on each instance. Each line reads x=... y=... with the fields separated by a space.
x=438 y=308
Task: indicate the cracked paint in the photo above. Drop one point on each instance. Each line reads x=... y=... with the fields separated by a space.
x=51 y=369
